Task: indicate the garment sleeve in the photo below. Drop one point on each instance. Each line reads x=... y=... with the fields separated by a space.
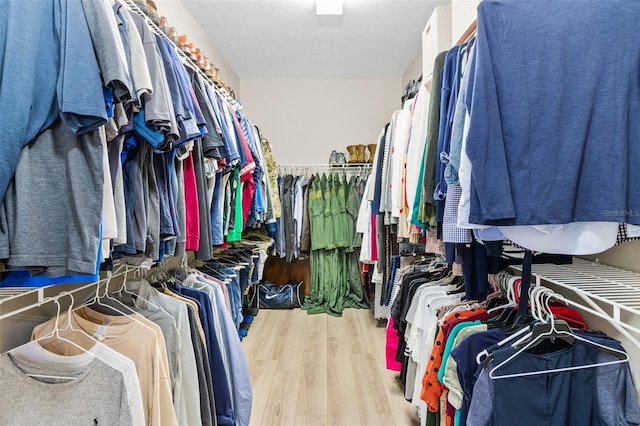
x=108 y=47
x=450 y=380
x=163 y=411
x=491 y=200
x=79 y=88
x=482 y=401
x=188 y=396
x=629 y=396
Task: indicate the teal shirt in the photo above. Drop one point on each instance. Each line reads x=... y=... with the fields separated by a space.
x=449 y=346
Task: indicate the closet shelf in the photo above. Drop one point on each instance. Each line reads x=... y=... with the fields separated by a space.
x=14 y=301
x=611 y=293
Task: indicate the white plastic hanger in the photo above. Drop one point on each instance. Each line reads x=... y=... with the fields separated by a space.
x=511 y=297
x=485 y=353
x=554 y=332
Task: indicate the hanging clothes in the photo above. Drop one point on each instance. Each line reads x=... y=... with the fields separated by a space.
x=167 y=133
x=334 y=259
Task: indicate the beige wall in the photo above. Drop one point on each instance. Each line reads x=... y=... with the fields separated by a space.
x=625 y=256
x=414 y=70
x=179 y=16
x=304 y=119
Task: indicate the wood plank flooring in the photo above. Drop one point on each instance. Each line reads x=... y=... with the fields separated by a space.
x=317 y=370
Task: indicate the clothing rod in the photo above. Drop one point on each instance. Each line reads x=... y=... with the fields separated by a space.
x=42 y=297
x=469 y=33
x=186 y=59
x=325 y=166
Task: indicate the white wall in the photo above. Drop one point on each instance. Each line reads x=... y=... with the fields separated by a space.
x=179 y=17
x=436 y=37
x=414 y=70
x=305 y=119
x=463 y=13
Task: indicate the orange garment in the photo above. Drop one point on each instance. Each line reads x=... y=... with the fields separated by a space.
x=431 y=388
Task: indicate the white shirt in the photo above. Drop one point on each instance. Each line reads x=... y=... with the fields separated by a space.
x=34 y=353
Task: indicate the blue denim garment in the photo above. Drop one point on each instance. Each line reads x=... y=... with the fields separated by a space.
x=225 y=272
x=165 y=196
x=475 y=267
x=235 y=296
x=130 y=172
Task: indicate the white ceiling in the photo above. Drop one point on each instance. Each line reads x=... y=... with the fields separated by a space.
x=286 y=39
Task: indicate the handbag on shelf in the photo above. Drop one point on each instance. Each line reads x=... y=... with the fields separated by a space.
x=276 y=296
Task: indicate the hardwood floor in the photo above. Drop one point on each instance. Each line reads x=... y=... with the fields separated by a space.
x=320 y=370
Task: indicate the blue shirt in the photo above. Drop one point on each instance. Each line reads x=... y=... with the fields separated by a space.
x=465 y=356
x=554 y=134
x=54 y=74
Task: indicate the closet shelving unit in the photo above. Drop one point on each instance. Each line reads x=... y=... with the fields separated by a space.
x=610 y=293
x=14 y=301
x=315 y=168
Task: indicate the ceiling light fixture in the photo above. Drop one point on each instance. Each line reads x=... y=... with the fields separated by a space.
x=328 y=7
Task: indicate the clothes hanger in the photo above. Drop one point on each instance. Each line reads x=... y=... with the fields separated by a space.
x=505 y=319
x=510 y=297
x=555 y=332
x=462 y=306
x=484 y=354
x=101 y=302
x=96 y=300
x=54 y=334
x=539 y=297
x=135 y=296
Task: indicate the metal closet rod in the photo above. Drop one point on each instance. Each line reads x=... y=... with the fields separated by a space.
x=188 y=61
x=326 y=166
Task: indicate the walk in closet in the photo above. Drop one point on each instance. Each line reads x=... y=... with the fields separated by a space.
x=345 y=212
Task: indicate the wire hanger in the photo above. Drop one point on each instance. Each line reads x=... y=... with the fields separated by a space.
x=134 y=296
x=131 y=316
x=54 y=334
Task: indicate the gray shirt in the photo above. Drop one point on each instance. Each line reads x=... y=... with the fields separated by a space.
x=186 y=390
x=159 y=110
x=108 y=47
x=54 y=203
x=97 y=395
